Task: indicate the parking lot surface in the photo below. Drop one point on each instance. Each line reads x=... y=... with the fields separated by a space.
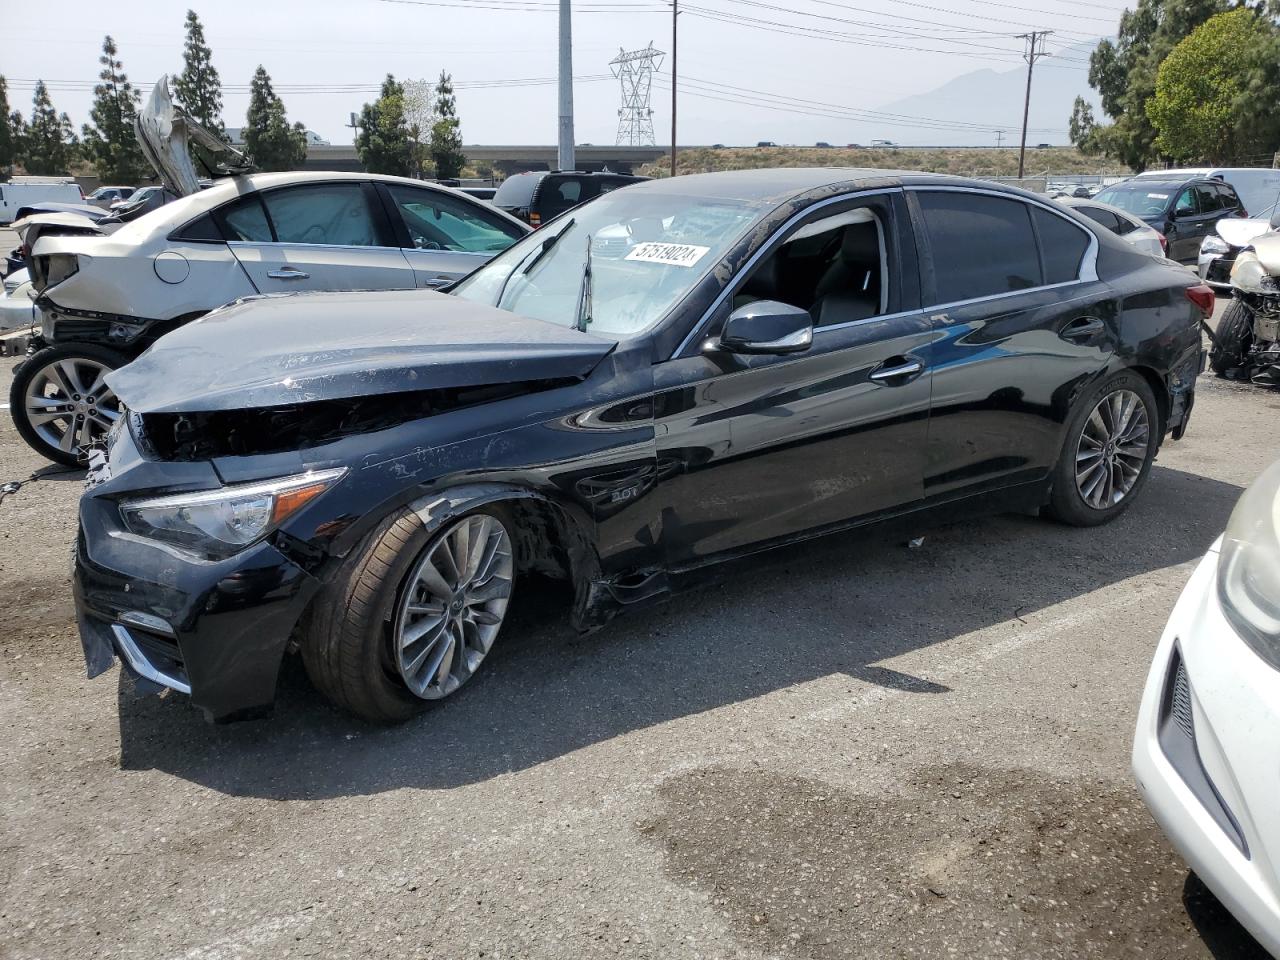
x=847 y=749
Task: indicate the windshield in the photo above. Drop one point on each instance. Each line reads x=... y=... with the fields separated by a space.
x=1140 y=199
x=648 y=250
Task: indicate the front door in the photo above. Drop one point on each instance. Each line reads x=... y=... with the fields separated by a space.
x=753 y=449
x=316 y=236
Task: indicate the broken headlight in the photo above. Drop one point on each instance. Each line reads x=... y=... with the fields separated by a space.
x=219 y=523
x=1250 y=276
x=1249 y=567
x=1214 y=245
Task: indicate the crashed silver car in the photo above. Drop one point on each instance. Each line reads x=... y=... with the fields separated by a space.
x=104 y=299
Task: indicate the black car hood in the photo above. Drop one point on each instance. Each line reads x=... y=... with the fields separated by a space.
x=297 y=348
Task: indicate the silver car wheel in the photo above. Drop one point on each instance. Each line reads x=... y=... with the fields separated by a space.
x=1112 y=449
x=452 y=606
x=69 y=404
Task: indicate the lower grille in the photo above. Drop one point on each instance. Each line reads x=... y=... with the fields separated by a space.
x=1180 y=708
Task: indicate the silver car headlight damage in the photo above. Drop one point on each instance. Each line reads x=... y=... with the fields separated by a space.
x=1250 y=276
x=1214 y=245
x=1249 y=567
x=216 y=524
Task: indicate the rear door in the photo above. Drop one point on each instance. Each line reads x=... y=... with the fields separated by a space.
x=445 y=236
x=1020 y=323
x=315 y=236
x=1186 y=229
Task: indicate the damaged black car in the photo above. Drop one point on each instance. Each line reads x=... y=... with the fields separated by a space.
x=671 y=375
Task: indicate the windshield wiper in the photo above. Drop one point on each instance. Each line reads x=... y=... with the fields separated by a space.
x=583 y=316
x=531 y=260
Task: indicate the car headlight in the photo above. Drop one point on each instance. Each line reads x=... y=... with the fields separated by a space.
x=1249 y=567
x=1251 y=276
x=1214 y=245
x=219 y=523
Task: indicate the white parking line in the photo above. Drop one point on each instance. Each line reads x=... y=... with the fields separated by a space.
x=246 y=941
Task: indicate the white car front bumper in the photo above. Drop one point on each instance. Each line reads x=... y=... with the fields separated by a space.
x=17 y=310
x=1207 y=755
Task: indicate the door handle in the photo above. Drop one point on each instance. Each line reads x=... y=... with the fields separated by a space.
x=1083 y=329
x=896 y=369
x=288 y=273
x=437 y=282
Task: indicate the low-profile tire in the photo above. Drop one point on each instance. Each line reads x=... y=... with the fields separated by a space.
x=353 y=643
x=1112 y=438
x=59 y=402
x=1232 y=339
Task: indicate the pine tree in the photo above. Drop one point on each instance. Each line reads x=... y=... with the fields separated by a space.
x=10 y=130
x=110 y=143
x=446 y=132
x=268 y=138
x=199 y=88
x=384 y=143
x=49 y=146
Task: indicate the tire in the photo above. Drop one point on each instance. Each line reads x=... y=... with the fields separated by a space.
x=1233 y=339
x=350 y=644
x=66 y=377
x=1110 y=475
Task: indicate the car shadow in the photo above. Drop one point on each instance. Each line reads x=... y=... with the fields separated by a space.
x=1222 y=933
x=839 y=605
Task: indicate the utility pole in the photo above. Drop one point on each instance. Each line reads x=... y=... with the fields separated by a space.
x=1035 y=50
x=675 y=12
x=565 y=153
x=999 y=138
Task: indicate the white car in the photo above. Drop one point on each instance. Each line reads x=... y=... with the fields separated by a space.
x=16 y=307
x=1124 y=225
x=104 y=299
x=1207 y=750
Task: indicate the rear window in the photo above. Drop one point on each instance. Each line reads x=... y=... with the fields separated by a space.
x=1062 y=246
x=981 y=245
x=200 y=230
x=1102 y=217
x=517 y=192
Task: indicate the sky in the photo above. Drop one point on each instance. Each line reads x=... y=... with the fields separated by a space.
x=791 y=71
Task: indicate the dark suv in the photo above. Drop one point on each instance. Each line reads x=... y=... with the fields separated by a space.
x=1185 y=211
x=539 y=196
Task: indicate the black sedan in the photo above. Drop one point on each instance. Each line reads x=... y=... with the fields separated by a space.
x=677 y=373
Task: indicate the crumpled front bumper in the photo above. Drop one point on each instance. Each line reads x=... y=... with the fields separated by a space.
x=217 y=629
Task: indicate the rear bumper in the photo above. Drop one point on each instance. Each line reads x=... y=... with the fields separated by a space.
x=214 y=630
x=1204 y=755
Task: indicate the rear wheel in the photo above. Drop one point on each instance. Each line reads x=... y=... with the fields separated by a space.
x=1112 y=438
x=60 y=402
x=1232 y=340
x=412 y=614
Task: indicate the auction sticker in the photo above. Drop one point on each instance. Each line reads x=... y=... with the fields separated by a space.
x=675 y=254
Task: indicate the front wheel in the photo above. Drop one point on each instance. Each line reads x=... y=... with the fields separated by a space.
x=1112 y=438
x=60 y=402
x=1232 y=340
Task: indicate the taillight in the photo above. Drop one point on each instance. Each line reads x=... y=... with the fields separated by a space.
x=1203 y=298
x=1242 y=212
x=1164 y=242
x=535 y=220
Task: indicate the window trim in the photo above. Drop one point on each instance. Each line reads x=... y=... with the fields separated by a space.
x=739 y=277
x=400 y=232
x=1088 y=263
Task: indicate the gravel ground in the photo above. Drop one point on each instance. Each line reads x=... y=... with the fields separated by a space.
x=851 y=749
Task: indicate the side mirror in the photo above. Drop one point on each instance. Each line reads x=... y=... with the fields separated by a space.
x=767 y=326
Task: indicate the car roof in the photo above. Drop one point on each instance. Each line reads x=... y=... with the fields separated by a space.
x=776 y=184
x=1146 y=183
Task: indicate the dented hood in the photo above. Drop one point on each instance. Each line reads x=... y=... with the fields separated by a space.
x=296 y=348
x=1267 y=248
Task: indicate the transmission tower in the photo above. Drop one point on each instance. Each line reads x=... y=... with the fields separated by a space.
x=634 y=70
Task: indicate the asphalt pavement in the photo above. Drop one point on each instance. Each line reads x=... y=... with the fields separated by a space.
x=853 y=748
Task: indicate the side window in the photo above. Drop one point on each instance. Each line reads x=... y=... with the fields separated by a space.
x=559 y=194
x=1062 y=246
x=437 y=221
x=200 y=230
x=1209 y=199
x=246 y=221
x=1101 y=217
x=1228 y=197
x=980 y=245
x=327 y=213
x=834 y=267
x=1186 y=203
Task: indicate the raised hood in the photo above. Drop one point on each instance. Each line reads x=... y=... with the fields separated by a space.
x=1241 y=232
x=294 y=348
x=1268 y=250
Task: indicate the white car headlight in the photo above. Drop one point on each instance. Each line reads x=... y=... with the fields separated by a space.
x=219 y=523
x=1214 y=245
x=1251 y=276
x=1249 y=567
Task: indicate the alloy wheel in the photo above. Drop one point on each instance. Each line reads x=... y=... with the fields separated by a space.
x=69 y=404
x=1112 y=449
x=452 y=606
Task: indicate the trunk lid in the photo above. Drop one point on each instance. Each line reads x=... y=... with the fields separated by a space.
x=163 y=130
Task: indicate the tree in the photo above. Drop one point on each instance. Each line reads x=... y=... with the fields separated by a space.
x=110 y=143
x=198 y=87
x=383 y=142
x=1081 y=126
x=50 y=145
x=446 y=132
x=10 y=130
x=268 y=138
x=420 y=115
x=1200 y=109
